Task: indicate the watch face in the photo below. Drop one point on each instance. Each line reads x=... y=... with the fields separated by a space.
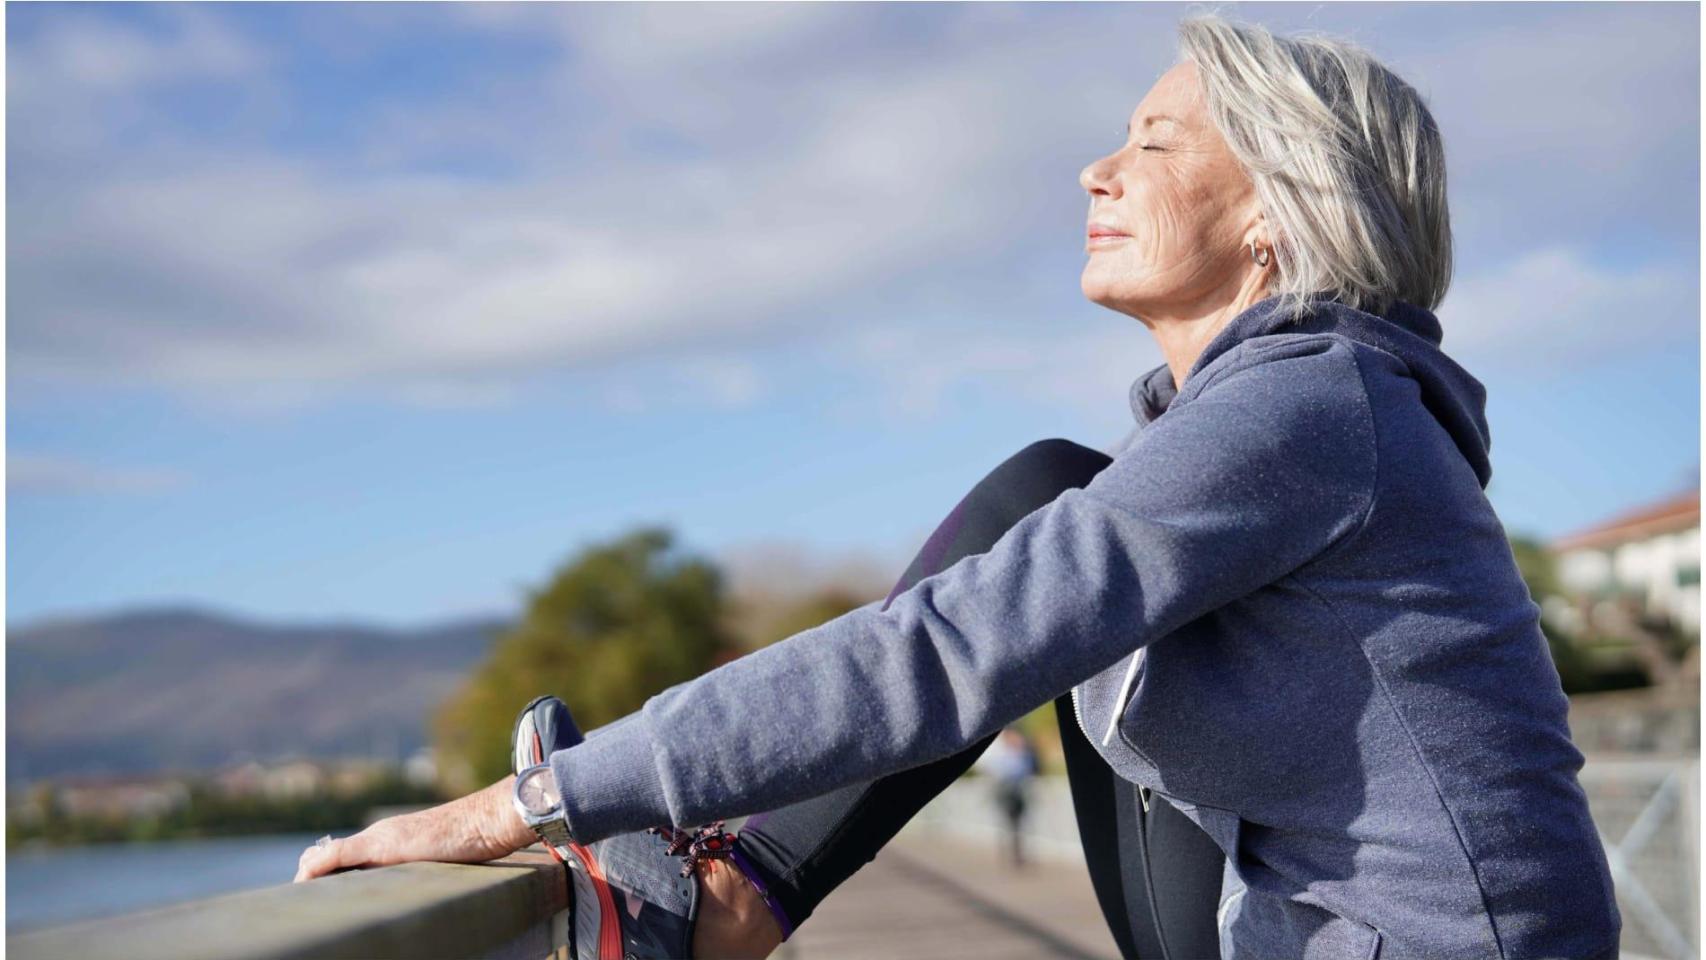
x=537 y=790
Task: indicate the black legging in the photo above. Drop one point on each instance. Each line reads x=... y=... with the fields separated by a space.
x=1153 y=873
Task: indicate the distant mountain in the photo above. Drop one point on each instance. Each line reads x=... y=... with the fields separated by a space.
x=184 y=689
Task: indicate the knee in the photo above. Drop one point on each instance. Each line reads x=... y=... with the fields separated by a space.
x=1032 y=477
x=1053 y=462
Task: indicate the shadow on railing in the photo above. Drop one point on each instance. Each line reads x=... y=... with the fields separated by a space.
x=515 y=908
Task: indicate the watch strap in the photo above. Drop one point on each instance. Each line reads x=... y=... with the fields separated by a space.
x=554 y=831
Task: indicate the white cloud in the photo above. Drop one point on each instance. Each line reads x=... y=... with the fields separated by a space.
x=248 y=273
x=1554 y=310
x=729 y=381
x=820 y=161
x=83 y=76
x=722 y=380
x=1088 y=369
x=664 y=39
x=96 y=54
x=37 y=474
x=1564 y=123
x=1548 y=312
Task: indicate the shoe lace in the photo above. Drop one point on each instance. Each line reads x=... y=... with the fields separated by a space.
x=708 y=842
x=712 y=842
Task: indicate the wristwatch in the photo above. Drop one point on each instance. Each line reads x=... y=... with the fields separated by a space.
x=540 y=807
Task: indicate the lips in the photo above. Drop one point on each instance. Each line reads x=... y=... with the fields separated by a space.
x=1104 y=230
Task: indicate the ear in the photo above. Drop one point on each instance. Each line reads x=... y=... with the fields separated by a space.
x=1258 y=232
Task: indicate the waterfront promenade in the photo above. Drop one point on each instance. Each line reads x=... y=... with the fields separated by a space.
x=941 y=889
x=935 y=897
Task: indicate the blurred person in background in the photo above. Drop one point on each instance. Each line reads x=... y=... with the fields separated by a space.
x=1011 y=762
x=1306 y=705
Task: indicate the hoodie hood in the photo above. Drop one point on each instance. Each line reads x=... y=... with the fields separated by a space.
x=1412 y=334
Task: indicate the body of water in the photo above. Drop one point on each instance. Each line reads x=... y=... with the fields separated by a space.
x=51 y=886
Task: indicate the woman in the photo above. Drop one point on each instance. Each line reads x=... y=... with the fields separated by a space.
x=1285 y=607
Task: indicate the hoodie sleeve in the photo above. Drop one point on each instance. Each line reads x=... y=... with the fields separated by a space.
x=1268 y=465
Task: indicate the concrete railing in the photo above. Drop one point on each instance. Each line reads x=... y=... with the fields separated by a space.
x=515 y=908
x=1647 y=809
x=1642 y=721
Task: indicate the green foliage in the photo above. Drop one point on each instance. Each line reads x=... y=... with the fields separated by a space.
x=617 y=623
x=1539 y=572
x=210 y=812
x=1537 y=567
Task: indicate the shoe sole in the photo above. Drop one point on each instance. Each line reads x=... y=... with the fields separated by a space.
x=602 y=936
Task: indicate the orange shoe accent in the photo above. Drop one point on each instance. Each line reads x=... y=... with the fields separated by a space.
x=610 y=928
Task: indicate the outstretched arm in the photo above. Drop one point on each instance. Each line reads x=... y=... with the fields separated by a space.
x=1265 y=468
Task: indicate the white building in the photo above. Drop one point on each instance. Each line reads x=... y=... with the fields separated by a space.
x=421 y=769
x=1648 y=557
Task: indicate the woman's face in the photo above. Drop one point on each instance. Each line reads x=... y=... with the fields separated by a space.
x=1180 y=207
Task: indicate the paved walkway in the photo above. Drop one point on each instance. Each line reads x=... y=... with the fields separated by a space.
x=927 y=897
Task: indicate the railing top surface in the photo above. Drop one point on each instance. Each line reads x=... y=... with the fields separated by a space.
x=458 y=909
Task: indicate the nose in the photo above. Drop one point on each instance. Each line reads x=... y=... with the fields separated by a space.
x=1098 y=179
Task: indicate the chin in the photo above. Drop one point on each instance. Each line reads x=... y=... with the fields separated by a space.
x=1103 y=290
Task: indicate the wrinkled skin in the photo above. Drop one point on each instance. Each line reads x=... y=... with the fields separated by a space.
x=483 y=826
x=1190 y=212
x=477 y=828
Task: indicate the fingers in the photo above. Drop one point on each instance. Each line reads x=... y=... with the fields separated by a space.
x=451 y=832
x=317 y=861
x=309 y=864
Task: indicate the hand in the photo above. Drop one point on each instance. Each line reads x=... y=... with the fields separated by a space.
x=477 y=828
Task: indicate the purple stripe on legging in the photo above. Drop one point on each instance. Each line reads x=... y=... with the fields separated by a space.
x=751 y=872
x=930 y=557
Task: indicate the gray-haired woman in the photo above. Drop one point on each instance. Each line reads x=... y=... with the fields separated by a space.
x=1282 y=608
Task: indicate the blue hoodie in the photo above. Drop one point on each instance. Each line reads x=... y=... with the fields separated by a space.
x=1286 y=606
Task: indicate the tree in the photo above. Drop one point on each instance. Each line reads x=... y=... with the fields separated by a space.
x=617 y=623
x=1539 y=573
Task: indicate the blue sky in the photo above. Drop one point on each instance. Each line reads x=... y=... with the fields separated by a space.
x=381 y=311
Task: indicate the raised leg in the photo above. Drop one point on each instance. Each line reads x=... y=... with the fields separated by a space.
x=807 y=850
x=1152 y=872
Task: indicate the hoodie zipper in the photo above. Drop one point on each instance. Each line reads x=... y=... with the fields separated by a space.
x=1079 y=712
x=1142 y=794
x=1119 y=705
x=1142 y=791
x=1125 y=690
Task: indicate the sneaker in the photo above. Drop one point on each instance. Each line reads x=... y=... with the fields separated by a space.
x=632 y=896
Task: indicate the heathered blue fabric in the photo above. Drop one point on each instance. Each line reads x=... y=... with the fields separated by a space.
x=1287 y=606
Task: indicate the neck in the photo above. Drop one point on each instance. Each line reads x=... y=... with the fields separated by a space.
x=1183 y=328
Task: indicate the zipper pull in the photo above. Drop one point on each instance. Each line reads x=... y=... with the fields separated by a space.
x=1125 y=688
x=1143 y=795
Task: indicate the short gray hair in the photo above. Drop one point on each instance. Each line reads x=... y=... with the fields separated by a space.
x=1346 y=160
